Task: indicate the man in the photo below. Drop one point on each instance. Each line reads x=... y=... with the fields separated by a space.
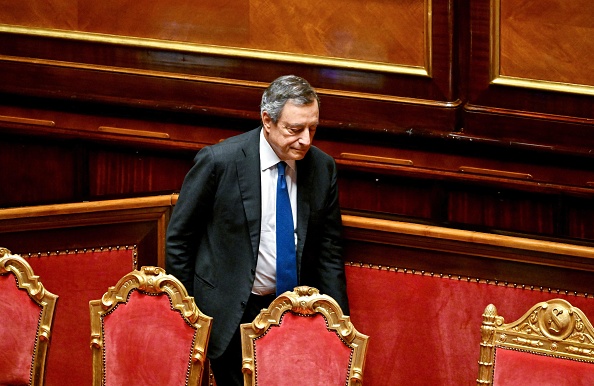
x=222 y=240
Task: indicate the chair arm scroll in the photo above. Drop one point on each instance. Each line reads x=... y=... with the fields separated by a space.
x=198 y=356
x=357 y=376
x=96 y=341
x=247 y=366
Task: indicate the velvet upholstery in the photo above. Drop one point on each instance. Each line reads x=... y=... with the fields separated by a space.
x=301 y=347
x=427 y=326
x=302 y=338
x=18 y=332
x=513 y=368
x=26 y=316
x=77 y=276
x=142 y=337
x=147 y=330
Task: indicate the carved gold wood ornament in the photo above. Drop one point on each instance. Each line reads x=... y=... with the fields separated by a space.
x=304 y=301
x=27 y=280
x=152 y=281
x=553 y=328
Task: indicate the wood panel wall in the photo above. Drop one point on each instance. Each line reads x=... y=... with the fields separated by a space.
x=529 y=81
x=453 y=113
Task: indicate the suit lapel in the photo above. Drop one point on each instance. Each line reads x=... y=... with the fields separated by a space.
x=304 y=182
x=248 y=175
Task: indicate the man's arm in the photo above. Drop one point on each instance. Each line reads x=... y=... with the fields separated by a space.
x=331 y=271
x=188 y=220
x=323 y=265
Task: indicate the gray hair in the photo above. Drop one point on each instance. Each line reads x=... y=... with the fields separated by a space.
x=283 y=89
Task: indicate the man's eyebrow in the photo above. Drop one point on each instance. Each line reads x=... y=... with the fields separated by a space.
x=302 y=124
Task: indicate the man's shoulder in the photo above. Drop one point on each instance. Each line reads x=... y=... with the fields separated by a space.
x=318 y=155
x=240 y=139
x=244 y=143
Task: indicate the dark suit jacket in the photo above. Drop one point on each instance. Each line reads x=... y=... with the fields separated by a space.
x=214 y=231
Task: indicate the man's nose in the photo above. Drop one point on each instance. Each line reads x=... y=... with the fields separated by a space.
x=305 y=137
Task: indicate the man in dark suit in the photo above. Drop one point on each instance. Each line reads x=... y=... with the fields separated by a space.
x=221 y=240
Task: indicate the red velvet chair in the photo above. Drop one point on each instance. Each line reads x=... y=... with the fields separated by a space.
x=26 y=310
x=302 y=338
x=146 y=330
x=552 y=344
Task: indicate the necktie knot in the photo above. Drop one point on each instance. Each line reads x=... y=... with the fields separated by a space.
x=281 y=174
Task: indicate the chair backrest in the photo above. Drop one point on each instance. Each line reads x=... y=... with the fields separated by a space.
x=147 y=330
x=26 y=310
x=302 y=338
x=551 y=344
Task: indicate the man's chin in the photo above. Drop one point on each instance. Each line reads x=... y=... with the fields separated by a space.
x=298 y=154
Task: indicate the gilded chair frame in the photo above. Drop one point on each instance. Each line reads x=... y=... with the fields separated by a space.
x=552 y=328
x=152 y=281
x=304 y=301
x=28 y=281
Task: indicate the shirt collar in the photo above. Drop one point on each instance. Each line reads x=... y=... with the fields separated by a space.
x=268 y=157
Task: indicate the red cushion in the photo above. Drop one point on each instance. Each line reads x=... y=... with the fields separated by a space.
x=301 y=351
x=425 y=330
x=18 y=331
x=146 y=343
x=513 y=368
x=76 y=278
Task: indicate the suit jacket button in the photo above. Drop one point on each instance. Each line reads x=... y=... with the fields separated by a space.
x=243 y=304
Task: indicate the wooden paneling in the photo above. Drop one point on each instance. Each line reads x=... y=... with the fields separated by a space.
x=524 y=192
x=335 y=29
x=448 y=182
x=117 y=173
x=580 y=219
x=527 y=106
x=378 y=66
x=206 y=22
x=114 y=124
x=496 y=137
x=46 y=14
x=139 y=222
x=388 y=195
x=549 y=41
x=503 y=209
x=508 y=260
x=343 y=29
x=44 y=170
x=33 y=171
x=120 y=115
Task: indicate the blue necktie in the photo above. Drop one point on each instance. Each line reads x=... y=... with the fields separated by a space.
x=286 y=263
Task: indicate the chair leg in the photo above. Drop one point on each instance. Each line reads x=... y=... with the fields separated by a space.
x=207 y=375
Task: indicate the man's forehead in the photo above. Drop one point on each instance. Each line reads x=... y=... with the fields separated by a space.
x=299 y=111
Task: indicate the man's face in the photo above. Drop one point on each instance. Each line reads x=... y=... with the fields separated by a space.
x=291 y=136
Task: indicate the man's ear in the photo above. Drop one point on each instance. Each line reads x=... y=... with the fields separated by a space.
x=266 y=121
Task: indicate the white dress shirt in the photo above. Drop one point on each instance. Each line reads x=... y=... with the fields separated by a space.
x=265 y=282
